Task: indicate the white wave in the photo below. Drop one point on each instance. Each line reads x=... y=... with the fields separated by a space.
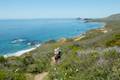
x=19 y=53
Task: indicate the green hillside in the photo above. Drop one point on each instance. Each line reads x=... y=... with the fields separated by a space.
x=96 y=56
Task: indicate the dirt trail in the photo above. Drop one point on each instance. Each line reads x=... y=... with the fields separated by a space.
x=52 y=61
x=41 y=76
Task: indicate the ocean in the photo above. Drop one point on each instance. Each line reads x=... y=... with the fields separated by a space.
x=17 y=35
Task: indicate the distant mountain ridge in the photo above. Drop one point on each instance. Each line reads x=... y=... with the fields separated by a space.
x=113 y=17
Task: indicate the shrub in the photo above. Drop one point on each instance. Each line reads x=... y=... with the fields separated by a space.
x=6 y=75
x=2 y=59
x=75 y=67
x=115 y=40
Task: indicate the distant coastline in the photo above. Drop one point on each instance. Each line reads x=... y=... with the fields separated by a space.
x=77 y=37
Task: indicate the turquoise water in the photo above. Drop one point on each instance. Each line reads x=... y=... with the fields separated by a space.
x=16 y=35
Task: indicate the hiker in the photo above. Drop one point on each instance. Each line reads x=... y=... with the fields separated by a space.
x=57 y=56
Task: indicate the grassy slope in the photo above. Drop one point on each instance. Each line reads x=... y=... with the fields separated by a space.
x=94 y=57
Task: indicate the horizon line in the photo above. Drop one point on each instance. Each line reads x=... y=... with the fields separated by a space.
x=46 y=18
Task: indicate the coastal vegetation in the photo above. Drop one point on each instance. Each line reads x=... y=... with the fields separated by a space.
x=96 y=56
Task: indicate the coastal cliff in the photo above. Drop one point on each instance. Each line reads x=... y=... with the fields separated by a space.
x=92 y=56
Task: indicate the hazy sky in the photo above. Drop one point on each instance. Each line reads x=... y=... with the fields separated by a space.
x=15 y=9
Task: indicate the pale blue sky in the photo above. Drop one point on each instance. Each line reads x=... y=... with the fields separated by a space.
x=24 y=9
